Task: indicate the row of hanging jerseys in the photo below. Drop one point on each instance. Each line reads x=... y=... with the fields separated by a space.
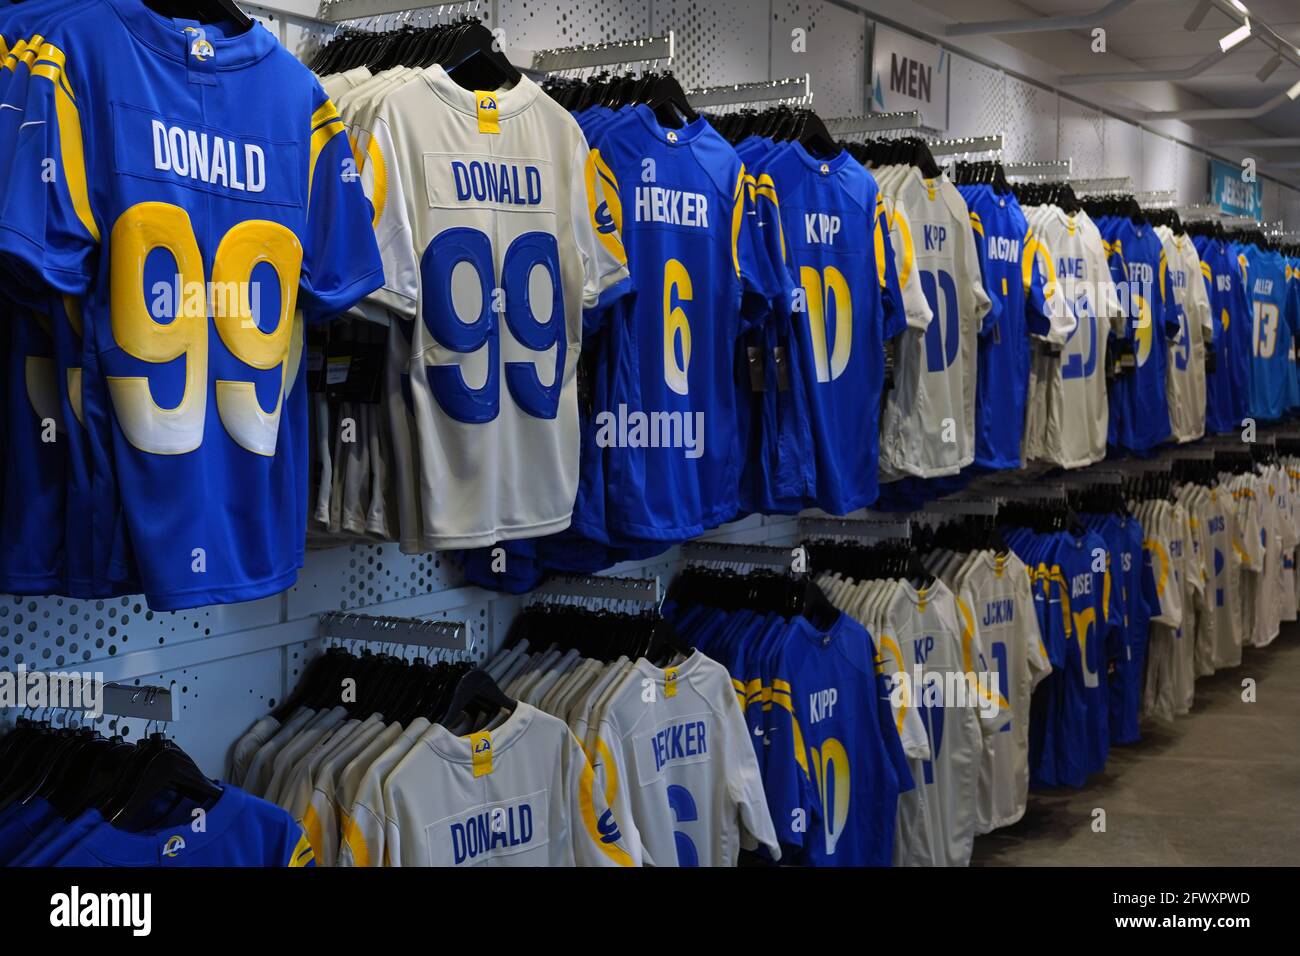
x=885 y=711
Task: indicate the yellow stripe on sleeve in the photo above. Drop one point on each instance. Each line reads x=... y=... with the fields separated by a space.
x=71 y=145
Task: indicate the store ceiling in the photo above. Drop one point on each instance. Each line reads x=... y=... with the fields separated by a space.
x=1150 y=35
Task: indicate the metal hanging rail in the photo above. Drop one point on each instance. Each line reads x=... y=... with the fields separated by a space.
x=1156 y=197
x=865 y=528
x=764 y=555
x=1047 y=169
x=1199 y=210
x=639 y=50
x=966 y=144
x=1112 y=184
x=605 y=587
x=343 y=625
x=147 y=702
x=873 y=123
x=336 y=11
x=988 y=507
x=741 y=94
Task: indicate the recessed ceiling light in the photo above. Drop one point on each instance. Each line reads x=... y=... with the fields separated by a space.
x=1294 y=91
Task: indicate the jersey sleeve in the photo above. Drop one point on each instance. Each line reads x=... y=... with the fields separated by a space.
x=340 y=261
x=990 y=705
x=1049 y=314
x=985 y=280
x=745 y=780
x=602 y=835
x=891 y=293
x=49 y=233
x=1170 y=311
x=787 y=780
x=906 y=715
x=971 y=253
x=597 y=217
x=915 y=305
x=763 y=285
x=296 y=848
x=388 y=174
x=771 y=256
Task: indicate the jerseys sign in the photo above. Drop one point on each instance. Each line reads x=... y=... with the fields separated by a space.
x=909 y=74
x=1234 y=195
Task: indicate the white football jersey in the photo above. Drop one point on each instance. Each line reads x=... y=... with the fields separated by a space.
x=364 y=834
x=519 y=795
x=494 y=239
x=928 y=423
x=1224 y=567
x=1076 y=413
x=998 y=592
x=1185 y=378
x=943 y=645
x=673 y=751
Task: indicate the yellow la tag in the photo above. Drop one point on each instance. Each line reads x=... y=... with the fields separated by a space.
x=922 y=603
x=480 y=745
x=487 y=112
x=670 y=681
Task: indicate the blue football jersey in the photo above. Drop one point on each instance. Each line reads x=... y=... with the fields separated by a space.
x=239 y=830
x=826 y=235
x=1139 y=401
x=1017 y=286
x=826 y=686
x=200 y=221
x=42 y=548
x=1228 y=386
x=672 y=439
x=1274 y=325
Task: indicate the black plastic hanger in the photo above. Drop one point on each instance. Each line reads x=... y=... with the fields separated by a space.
x=478 y=691
x=204 y=11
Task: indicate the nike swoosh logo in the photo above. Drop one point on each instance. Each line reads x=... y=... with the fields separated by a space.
x=32 y=123
x=10 y=106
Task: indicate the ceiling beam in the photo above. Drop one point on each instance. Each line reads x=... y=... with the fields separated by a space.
x=1149 y=76
x=1038 y=24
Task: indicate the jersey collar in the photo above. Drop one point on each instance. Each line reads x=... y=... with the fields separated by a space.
x=509 y=102
x=166 y=39
x=158 y=847
x=459 y=749
x=672 y=137
x=831 y=166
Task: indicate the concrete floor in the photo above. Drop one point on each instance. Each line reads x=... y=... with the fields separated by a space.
x=1220 y=787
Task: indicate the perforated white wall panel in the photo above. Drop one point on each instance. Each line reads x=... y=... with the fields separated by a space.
x=835 y=53
x=1159 y=163
x=548 y=24
x=1123 y=145
x=977 y=103
x=1081 y=138
x=718 y=41
x=1193 y=176
x=1030 y=134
